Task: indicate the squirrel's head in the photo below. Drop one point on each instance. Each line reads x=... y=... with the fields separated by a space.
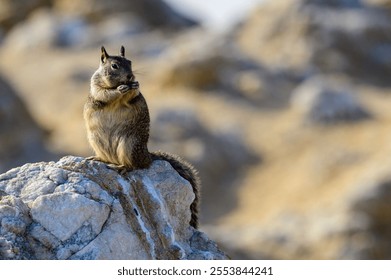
x=115 y=70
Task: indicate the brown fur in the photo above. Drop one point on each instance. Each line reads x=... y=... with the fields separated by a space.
x=117 y=120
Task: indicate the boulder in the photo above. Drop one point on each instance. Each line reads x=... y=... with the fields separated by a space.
x=45 y=29
x=12 y=12
x=40 y=29
x=155 y=13
x=81 y=209
x=370 y=204
x=327 y=101
x=216 y=65
x=57 y=23
x=383 y=4
x=355 y=226
x=322 y=36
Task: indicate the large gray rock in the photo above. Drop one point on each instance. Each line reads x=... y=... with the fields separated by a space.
x=12 y=12
x=327 y=101
x=352 y=223
x=155 y=13
x=215 y=65
x=356 y=225
x=45 y=29
x=78 y=209
x=322 y=36
x=58 y=23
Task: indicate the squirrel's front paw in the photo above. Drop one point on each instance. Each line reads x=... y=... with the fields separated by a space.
x=134 y=85
x=123 y=88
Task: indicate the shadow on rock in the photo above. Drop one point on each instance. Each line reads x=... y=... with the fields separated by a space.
x=375 y=208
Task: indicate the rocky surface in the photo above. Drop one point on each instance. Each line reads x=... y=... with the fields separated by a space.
x=216 y=65
x=321 y=37
x=355 y=226
x=150 y=13
x=12 y=12
x=154 y=13
x=78 y=209
x=234 y=105
x=327 y=101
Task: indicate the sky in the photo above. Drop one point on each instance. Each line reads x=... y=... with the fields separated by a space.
x=218 y=15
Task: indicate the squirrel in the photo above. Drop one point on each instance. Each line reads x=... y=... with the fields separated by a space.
x=117 y=121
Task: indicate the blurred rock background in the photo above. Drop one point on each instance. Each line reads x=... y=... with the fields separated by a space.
x=286 y=114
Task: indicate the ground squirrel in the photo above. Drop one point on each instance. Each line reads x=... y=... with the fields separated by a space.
x=117 y=120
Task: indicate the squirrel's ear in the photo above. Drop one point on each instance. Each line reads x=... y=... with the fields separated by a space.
x=122 y=51
x=104 y=54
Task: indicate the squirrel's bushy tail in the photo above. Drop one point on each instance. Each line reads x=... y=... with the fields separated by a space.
x=188 y=172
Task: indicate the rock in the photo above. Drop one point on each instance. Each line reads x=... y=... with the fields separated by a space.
x=383 y=4
x=155 y=13
x=12 y=12
x=355 y=226
x=91 y=24
x=322 y=36
x=370 y=204
x=38 y=31
x=335 y=3
x=45 y=29
x=21 y=139
x=327 y=101
x=221 y=158
x=216 y=65
x=78 y=209
x=197 y=63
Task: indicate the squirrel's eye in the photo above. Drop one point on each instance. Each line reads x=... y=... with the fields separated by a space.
x=114 y=66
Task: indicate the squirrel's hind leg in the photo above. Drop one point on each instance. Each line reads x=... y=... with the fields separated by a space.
x=121 y=169
x=95 y=158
